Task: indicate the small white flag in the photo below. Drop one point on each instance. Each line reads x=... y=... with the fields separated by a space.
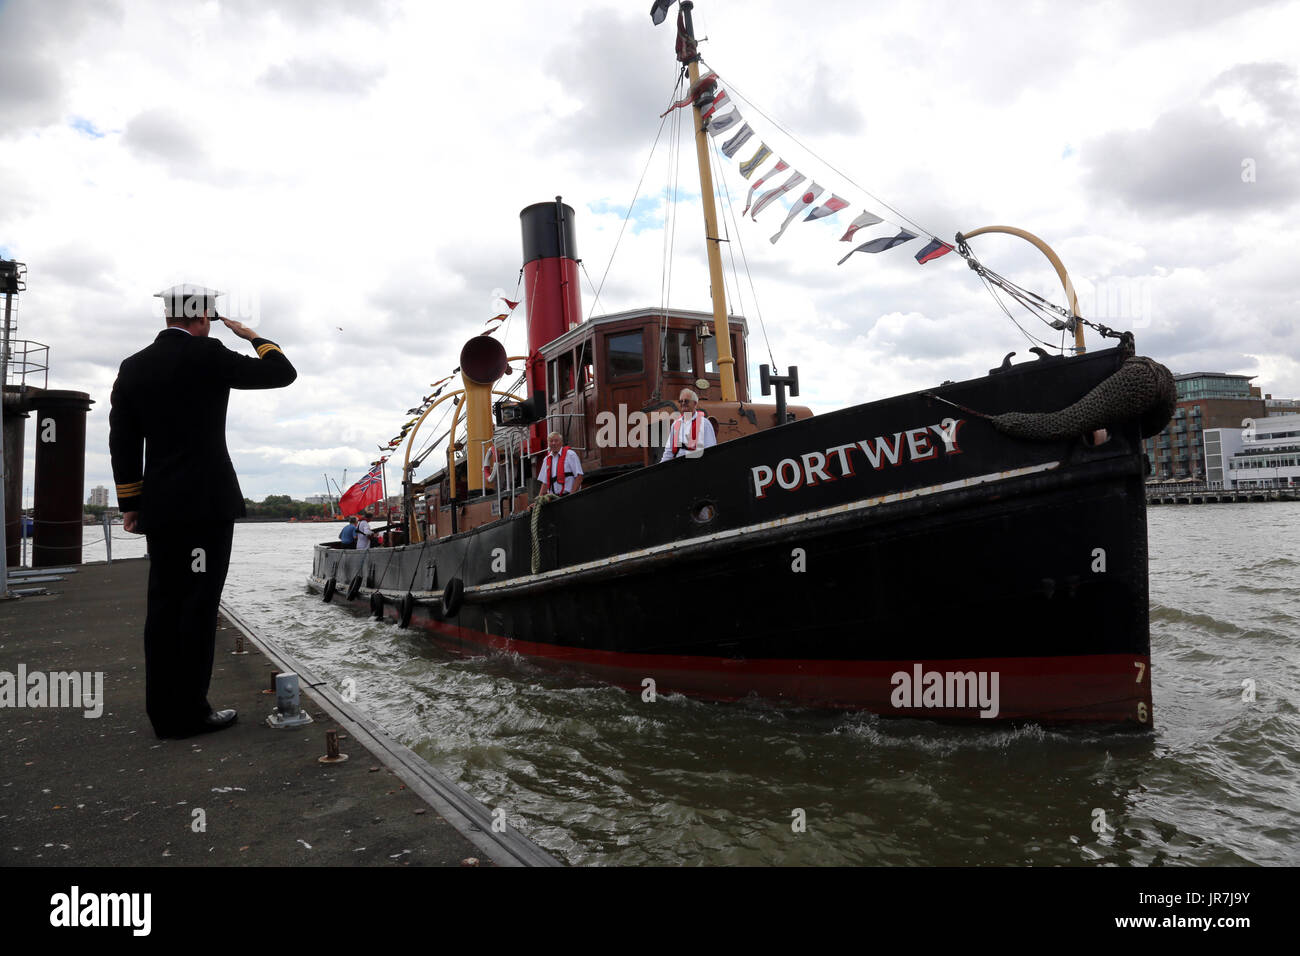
x=866 y=219
x=768 y=197
x=780 y=167
x=723 y=122
x=803 y=202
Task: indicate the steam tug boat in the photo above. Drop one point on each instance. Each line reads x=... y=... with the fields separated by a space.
x=976 y=551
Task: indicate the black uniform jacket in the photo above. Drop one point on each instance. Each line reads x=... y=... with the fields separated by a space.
x=167 y=426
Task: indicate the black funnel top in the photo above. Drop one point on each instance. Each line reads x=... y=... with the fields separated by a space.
x=548 y=231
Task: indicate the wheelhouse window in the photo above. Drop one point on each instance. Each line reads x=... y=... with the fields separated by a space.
x=586 y=370
x=678 y=354
x=626 y=354
x=560 y=374
x=711 y=354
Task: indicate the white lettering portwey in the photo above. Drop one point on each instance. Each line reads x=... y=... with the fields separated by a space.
x=923 y=443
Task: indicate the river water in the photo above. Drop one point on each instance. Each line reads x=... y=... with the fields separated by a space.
x=597 y=776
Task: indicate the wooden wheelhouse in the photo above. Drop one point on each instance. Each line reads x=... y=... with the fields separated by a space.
x=600 y=376
x=631 y=362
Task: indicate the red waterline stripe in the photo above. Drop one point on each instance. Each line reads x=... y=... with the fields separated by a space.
x=1092 y=687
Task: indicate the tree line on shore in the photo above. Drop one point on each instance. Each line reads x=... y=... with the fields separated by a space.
x=272 y=506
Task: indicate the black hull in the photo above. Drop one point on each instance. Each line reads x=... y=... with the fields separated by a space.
x=979 y=578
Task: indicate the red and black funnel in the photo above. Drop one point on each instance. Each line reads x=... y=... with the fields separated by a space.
x=550 y=286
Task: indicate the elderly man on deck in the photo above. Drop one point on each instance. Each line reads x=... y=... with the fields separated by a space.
x=561 y=471
x=692 y=432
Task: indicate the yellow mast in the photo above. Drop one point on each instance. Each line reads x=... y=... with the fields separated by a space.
x=726 y=361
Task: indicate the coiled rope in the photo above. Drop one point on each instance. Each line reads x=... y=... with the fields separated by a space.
x=533 y=522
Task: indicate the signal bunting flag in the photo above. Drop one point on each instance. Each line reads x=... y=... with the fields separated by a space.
x=766 y=199
x=720 y=123
x=780 y=167
x=829 y=208
x=748 y=166
x=659 y=11
x=881 y=244
x=719 y=100
x=934 y=250
x=708 y=80
x=803 y=202
x=866 y=219
x=732 y=146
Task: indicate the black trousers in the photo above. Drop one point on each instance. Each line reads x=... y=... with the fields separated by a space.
x=187 y=570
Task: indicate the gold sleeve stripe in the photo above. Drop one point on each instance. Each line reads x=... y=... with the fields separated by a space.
x=130 y=490
x=267 y=347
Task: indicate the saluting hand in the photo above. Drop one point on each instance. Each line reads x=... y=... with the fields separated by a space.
x=239 y=328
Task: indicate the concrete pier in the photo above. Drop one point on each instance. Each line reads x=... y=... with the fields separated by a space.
x=81 y=791
x=1205 y=495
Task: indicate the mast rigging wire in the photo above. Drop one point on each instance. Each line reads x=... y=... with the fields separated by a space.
x=1031 y=301
x=730 y=207
x=731 y=89
x=631 y=206
x=672 y=191
x=1005 y=310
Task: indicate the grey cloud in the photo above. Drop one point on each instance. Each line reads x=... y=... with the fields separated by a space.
x=176 y=142
x=1271 y=85
x=33 y=35
x=1190 y=161
x=311 y=13
x=321 y=76
x=115 y=333
x=822 y=106
x=612 y=47
x=1158 y=18
x=414 y=309
x=161 y=135
x=1214 y=360
x=79 y=267
x=31 y=91
x=417 y=316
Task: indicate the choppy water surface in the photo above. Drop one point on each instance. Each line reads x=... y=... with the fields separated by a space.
x=597 y=776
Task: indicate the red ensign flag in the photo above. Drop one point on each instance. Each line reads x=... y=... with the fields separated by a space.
x=366 y=491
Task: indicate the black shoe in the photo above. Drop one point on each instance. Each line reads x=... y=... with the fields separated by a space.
x=217 y=720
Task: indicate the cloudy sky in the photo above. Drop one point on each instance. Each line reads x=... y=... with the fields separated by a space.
x=354 y=172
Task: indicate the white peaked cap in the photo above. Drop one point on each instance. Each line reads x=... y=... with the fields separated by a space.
x=187 y=300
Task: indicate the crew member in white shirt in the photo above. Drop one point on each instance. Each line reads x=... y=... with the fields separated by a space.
x=561 y=471
x=692 y=432
x=363 y=532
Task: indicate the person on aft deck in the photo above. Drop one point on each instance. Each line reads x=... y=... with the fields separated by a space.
x=561 y=471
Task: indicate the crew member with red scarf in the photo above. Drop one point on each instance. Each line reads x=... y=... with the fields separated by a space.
x=561 y=472
x=692 y=432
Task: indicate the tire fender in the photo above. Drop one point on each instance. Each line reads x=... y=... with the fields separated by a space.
x=453 y=595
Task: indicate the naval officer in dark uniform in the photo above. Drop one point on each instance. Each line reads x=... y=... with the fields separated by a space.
x=176 y=484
